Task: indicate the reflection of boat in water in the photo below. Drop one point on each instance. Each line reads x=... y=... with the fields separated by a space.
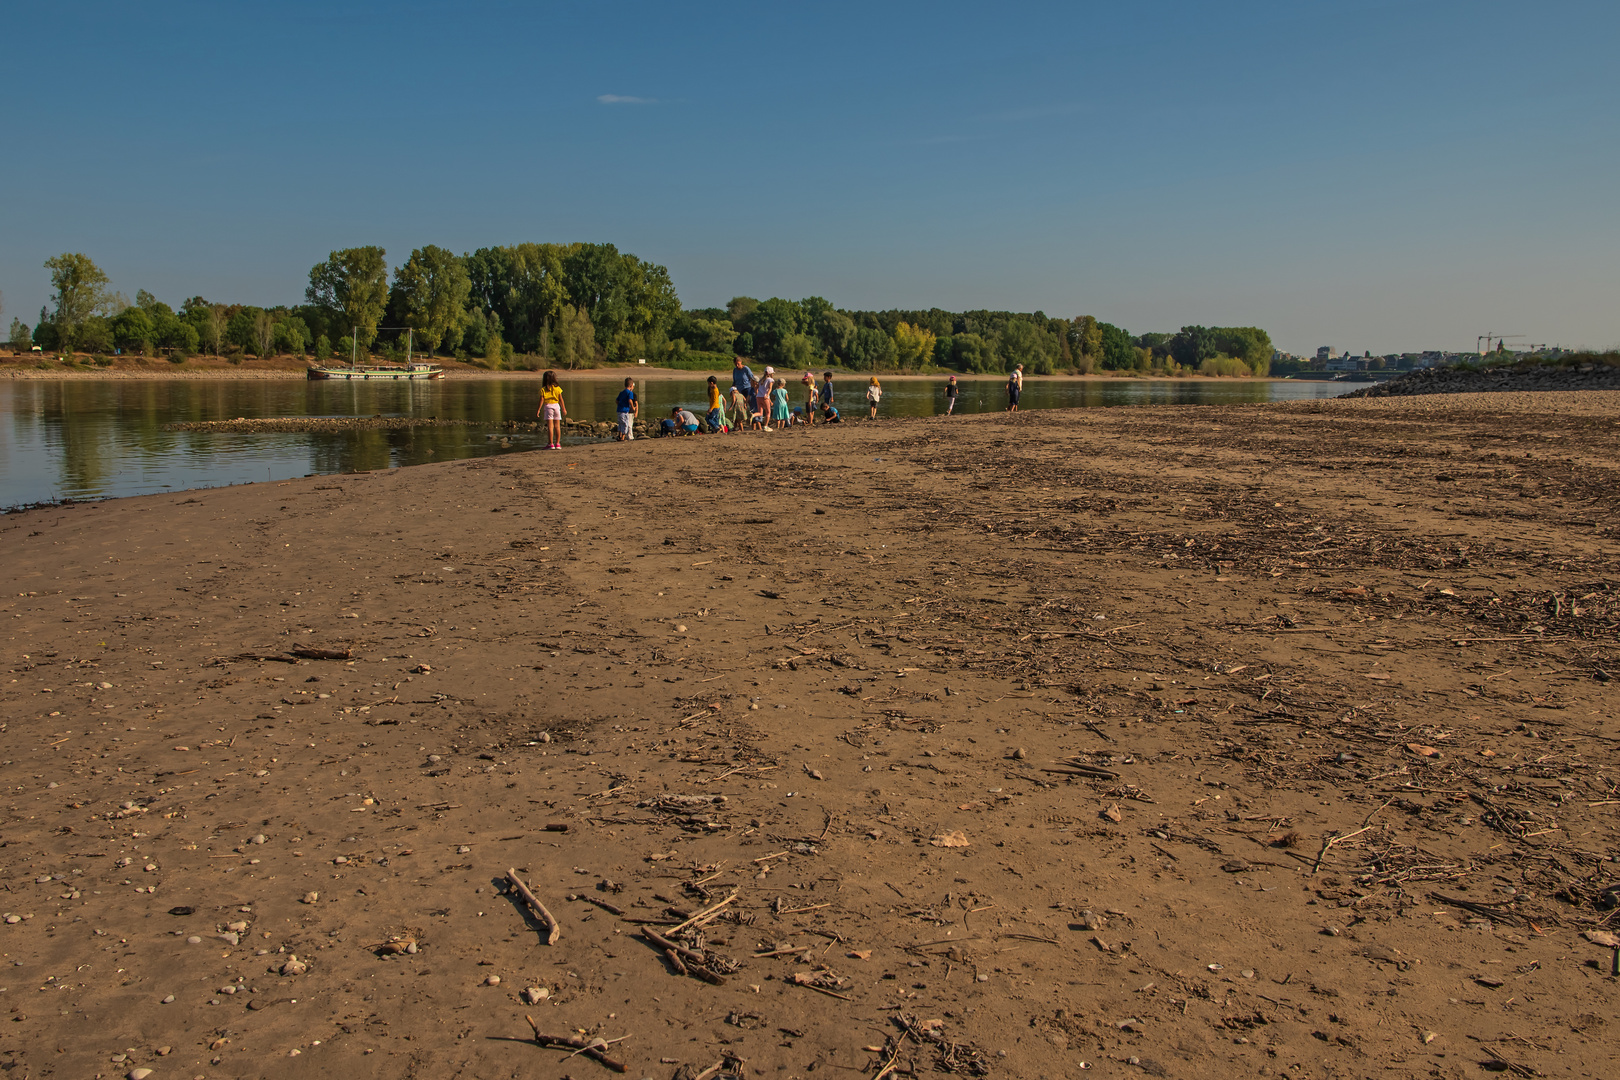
x=385 y=371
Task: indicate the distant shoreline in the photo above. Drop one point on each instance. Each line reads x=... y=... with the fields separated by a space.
x=284 y=369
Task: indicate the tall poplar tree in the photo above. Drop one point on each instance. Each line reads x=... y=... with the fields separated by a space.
x=352 y=285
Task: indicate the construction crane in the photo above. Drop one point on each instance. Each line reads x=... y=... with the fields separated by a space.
x=1499 y=339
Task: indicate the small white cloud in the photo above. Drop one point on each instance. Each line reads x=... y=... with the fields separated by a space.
x=625 y=99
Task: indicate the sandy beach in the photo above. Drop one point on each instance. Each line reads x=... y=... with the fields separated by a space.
x=1269 y=740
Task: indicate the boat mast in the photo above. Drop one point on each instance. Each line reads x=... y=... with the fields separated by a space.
x=407 y=347
x=354 y=346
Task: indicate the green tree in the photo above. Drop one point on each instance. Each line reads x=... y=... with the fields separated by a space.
x=871 y=349
x=352 y=285
x=1023 y=342
x=972 y=352
x=914 y=345
x=772 y=323
x=210 y=324
x=1116 y=348
x=80 y=290
x=798 y=351
x=574 y=339
x=738 y=309
x=133 y=330
x=1084 y=338
x=709 y=335
x=264 y=332
x=494 y=352
x=95 y=335
x=434 y=286
x=834 y=330
x=476 y=332
x=292 y=336
x=1250 y=344
x=45 y=335
x=21 y=339
x=239 y=328
x=1193 y=345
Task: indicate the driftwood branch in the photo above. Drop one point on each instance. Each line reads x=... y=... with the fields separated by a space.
x=553 y=928
x=591 y=1048
x=678 y=954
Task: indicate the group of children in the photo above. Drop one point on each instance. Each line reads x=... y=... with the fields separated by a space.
x=759 y=405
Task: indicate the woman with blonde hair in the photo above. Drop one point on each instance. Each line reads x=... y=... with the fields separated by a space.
x=874 y=394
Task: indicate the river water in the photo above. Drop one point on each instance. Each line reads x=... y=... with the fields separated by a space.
x=87 y=439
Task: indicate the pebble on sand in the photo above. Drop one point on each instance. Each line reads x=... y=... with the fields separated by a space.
x=311 y=897
x=139 y=1074
x=493 y=980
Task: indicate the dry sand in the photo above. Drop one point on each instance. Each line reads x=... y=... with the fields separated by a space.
x=1339 y=677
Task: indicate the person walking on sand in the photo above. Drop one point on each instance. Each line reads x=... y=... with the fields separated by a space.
x=552 y=409
x=742 y=380
x=628 y=408
x=950 y=396
x=779 y=405
x=874 y=394
x=1015 y=387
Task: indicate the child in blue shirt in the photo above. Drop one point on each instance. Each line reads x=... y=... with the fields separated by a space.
x=628 y=408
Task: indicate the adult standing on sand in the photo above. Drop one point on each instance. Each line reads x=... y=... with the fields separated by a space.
x=950 y=396
x=742 y=380
x=1015 y=387
x=552 y=409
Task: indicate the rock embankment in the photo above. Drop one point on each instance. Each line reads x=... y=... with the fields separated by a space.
x=1472 y=381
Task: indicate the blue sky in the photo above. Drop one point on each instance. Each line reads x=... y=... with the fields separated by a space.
x=1377 y=175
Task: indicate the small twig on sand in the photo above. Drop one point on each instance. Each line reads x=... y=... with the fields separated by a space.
x=705 y=914
x=1330 y=841
x=593 y=1048
x=553 y=927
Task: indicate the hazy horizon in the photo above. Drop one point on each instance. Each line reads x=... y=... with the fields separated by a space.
x=1370 y=176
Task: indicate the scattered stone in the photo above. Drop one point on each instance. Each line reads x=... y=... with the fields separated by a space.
x=294 y=966
x=168 y=1000
x=139 y=1074
x=534 y=995
x=1020 y=754
x=193 y=940
x=493 y=980
x=953 y=839
x=311 y=898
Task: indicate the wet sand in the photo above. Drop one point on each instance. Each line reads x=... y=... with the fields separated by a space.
x=1214 y=741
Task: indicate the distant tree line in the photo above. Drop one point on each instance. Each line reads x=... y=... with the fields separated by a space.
x=573 y=305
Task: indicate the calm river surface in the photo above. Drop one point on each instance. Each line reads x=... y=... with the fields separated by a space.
x=86 y=439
